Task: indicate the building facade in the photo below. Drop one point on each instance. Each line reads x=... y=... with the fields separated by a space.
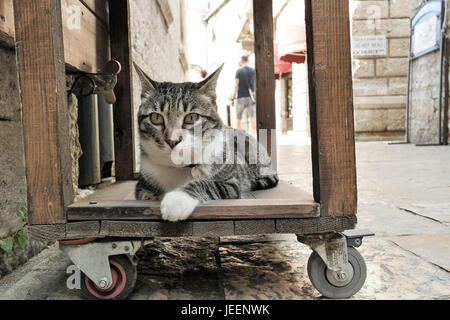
x=380 y=76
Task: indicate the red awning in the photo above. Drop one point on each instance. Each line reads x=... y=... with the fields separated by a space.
x=292 y=44
x=280 y=66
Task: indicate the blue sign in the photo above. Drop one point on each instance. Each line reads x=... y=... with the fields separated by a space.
x=426 y=29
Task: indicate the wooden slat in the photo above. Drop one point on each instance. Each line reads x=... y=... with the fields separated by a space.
x=216 y=210
x=212 y=228
x=264 y=65
x=76 y=230
x=99 y=8
x=331 y=106
x=246 y=227
x=147 y=229
x=119 y=14
x=6 y=23
x=86 y=229
x=41 y=68
x=47 y=232
x=317 y=225
x=87 y=47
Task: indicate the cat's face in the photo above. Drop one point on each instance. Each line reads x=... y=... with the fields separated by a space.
x=171 y=113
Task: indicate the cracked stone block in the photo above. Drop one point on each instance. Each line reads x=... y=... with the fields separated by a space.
x=434 y=248
x=399 y=47
x=400 y=221
x=435 y=211
x=388 y=67
x=400 y=8
x=363 y=68
x=397 y=274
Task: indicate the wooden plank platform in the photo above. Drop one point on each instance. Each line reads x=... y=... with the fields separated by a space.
x=148 y=229
x=116 y=203
x=113 y=212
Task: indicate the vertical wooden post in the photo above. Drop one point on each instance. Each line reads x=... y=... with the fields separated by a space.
x=119 y=23
x=264 y=65
x=40 y=56
x=331 y=105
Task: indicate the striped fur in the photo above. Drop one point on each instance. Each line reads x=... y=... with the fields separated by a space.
x=181 y=186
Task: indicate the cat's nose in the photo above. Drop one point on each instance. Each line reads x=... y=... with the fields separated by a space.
x=173 y=143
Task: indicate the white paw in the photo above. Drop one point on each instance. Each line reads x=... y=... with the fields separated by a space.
x=177 y=205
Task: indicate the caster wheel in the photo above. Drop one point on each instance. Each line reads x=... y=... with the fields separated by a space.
x=124 y=274
x=338 y=285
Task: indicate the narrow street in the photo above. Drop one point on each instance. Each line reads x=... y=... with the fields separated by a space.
x=403 y=196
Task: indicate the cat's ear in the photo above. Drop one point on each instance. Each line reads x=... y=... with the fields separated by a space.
x=208 y=86
x=148 y=85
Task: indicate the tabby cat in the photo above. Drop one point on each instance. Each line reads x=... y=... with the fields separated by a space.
x=188 y=155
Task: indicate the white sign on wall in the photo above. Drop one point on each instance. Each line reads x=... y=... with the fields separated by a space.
x=369 y=45
x=425 y=35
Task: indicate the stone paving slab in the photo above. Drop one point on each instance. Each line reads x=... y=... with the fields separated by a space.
x=388 y=220
x=38 y=279
x=436 y=211
x=434 y=248
x=394 y=273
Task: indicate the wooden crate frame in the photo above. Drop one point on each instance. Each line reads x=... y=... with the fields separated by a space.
x=41 y=60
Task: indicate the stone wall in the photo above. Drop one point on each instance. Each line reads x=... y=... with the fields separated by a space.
x=13 y=194
x=424 y=100
x=158 y=48
x=380 y=82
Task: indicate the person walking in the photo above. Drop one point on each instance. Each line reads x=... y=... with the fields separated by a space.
x=244 y=93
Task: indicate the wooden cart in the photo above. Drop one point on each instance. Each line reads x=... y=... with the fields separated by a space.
x=46 y=49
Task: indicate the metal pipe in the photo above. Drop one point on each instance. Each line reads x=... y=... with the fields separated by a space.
x=441 y=67
x=408 y=95
x=106 y=136
x=89 y=162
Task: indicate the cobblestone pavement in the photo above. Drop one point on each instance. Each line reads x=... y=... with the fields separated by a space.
x=404 y=197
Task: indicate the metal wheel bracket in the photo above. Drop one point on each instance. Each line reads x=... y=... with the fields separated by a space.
x=93 y=258
x=332 y=248
x=355 y=237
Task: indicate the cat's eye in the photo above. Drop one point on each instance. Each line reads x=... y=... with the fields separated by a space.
x=191 y=118
x=156 y=119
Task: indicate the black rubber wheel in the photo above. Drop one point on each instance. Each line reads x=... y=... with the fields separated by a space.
x=124 y=274
x=329 y=284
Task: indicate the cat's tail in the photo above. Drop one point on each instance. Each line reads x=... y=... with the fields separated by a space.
x=265 y=182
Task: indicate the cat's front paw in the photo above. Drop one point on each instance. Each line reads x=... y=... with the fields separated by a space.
x=177 y=205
